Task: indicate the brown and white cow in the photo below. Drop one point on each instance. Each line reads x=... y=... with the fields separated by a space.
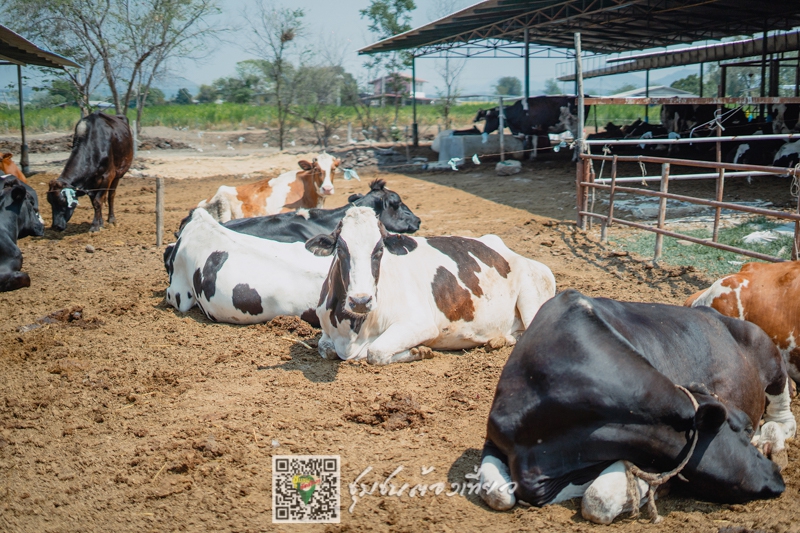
x=297 y=189
x=767 y=295
x=386 y=294
x=7 y=166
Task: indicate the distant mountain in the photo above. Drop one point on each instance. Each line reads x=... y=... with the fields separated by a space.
x=672 y=77
x=173 y=84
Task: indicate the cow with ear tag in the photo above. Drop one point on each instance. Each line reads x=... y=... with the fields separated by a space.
x=387 y=294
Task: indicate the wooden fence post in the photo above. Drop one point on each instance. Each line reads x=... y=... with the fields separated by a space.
x=610 y=219
x=159 y=211
x=662 y=210
x=720 y=179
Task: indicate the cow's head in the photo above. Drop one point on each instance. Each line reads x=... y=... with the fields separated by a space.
x=492 y=118
x=392 y=212
x=725 y=466
x=26 y=204
x=322 y=169
x=63 y=199
x=359 y=242
x=7 y=165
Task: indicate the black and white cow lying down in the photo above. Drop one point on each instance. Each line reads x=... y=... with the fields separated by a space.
x=386 y=294
x=593 y=382
x=239 y=278
x=19 y=217
x=301 y=225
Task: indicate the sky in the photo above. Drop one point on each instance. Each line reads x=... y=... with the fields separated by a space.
x=340 y=21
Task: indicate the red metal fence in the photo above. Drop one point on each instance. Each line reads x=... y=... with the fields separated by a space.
x=586 y=181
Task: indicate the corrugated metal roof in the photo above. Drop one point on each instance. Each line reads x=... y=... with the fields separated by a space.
x=17 y=49
x=782 y=42
x=606 y=26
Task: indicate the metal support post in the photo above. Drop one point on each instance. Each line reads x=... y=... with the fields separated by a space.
x=414 y=128
x=527 y=65
x=24 y=163
x=502 y=127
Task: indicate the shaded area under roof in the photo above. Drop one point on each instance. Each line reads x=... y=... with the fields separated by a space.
x=782 y=42
x=606 y=26
x=20 y=51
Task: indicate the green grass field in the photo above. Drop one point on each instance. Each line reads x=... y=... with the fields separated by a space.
x=238 y=116
x=710 y=260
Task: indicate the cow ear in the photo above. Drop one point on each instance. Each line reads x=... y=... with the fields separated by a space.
x=18 y=193
x=399 y=244
x=710 y=417
x=354 y=197
x=305 y=165
x=321 y=245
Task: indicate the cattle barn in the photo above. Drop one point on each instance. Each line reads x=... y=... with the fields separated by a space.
x=601 y=29
x=531 y=29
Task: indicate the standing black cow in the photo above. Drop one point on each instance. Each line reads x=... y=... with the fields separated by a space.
x=19 y=217
x=102 y=152
x=545 y=114
x=593 y=382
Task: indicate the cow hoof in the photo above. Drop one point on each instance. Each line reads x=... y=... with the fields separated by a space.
x=95 y=229
x=772 y=443
x=495 y=344
x=326 y=349
x=423 y=352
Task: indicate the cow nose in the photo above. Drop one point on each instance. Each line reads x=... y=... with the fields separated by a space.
x=327 y=189
x=359 y=303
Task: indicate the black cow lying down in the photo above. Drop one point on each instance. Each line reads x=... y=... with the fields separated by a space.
x=299 y=226
x=594 y=382
x=19 y=217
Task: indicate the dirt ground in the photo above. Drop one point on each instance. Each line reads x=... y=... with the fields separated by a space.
x=119 y=413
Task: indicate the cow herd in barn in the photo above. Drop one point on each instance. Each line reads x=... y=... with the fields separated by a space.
x=599 y=399
x=539 y=116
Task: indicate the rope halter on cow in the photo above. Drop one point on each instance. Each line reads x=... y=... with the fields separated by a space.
x=656 y=480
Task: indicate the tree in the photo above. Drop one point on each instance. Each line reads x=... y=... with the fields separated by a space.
x=273 y=38
x=317 y=94
x=551 y=86
x=449 y=69
x=738 y=81
x=508 y=85
x=207 y=94
x=65 y=91
x=386 y=19
x=237 y=89
x=127 y=41
x=183 y=97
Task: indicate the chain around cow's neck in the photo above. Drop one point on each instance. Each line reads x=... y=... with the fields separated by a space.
x=656 y=480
